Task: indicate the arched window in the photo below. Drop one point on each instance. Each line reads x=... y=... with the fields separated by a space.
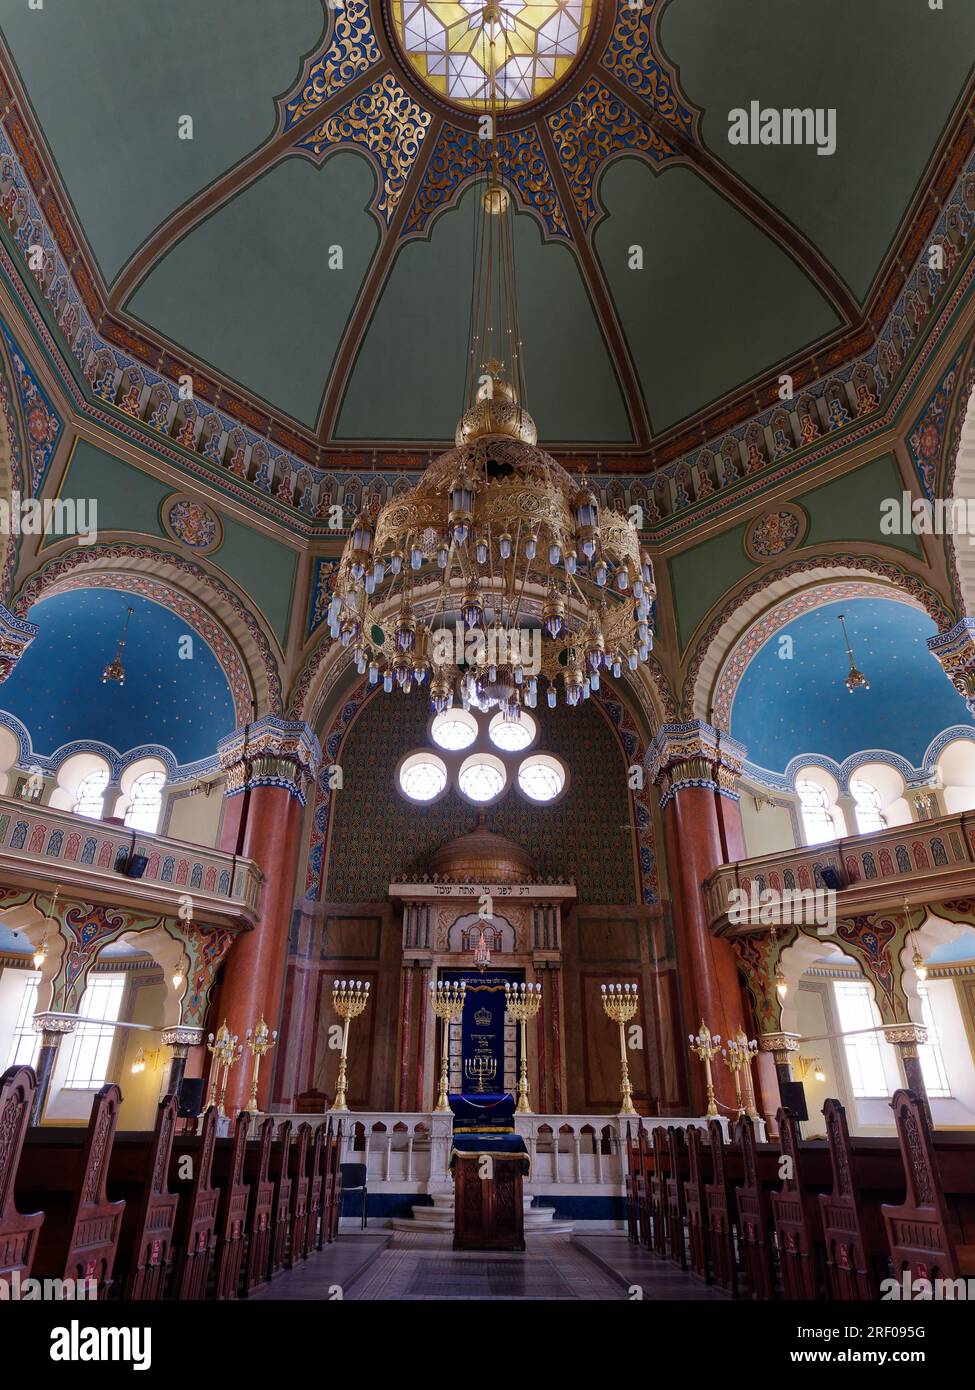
x=145 y=802
x=91 y=793
x=816 y=819
x=868 y=807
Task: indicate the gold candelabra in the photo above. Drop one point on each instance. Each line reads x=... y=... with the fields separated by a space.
x=706 y=1047
x=448 y=1004
x=260 y=1040
x=523 y=1002
x=620 y=1003
x=226 y=1052
x=349 y=998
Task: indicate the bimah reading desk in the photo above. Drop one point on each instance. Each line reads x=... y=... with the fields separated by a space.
x=488 y=1161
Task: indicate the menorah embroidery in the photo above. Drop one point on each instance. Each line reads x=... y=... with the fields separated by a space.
x=480 y=1070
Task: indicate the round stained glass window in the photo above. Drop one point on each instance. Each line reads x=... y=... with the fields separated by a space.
x=482 y=777
x=512 y=735
x=446 y=45
x=454 y=729
x=541 y=778
x=422 y=777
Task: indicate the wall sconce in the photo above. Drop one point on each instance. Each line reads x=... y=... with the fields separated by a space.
x=803 y=1065
x=142 y=1057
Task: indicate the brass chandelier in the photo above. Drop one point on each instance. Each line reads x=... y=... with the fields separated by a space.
x=498 y=570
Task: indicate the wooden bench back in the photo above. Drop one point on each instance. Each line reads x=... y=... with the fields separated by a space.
x=18 y=1232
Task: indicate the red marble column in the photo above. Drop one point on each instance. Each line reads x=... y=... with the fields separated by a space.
x=695 y=767
x=268 y=766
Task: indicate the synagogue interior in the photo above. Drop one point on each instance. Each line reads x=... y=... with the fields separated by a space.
x=487 y=652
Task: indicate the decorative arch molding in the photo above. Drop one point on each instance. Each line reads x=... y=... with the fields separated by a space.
x=11 y=471
x=848 y=768
x=232 y=632
x=737 y=661
x=716 y=648
x=959 y=482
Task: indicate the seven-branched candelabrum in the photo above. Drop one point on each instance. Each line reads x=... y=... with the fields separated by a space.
x=349 y=998
x=620 y=1002
x=523 y=1002
x=447 y=998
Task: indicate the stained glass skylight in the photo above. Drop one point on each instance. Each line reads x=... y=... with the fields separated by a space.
x=445 y=43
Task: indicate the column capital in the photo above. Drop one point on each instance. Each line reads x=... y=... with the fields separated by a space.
x=955 y=649
x=695 y=754
x=181 y=1037
x=907 y=1036
x=779 y=1042
x=52 y=1022
x=271 y=752
x=16 y=635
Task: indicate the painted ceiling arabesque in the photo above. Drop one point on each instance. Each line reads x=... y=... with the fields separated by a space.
x=756 y=260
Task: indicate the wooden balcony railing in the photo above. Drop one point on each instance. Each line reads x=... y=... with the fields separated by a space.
x=40 y=846
x=926 y=861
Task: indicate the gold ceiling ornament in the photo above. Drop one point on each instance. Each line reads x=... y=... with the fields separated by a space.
x=498 y=569
x=855 y=680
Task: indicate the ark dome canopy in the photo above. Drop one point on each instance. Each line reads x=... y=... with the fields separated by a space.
x=484 y=857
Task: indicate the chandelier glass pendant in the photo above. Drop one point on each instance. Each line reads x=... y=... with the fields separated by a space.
x=497 y=577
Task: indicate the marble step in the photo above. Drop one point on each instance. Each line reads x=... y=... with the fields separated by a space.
x=440 y=1218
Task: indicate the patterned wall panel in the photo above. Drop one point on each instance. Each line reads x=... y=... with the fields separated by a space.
x=377 y=835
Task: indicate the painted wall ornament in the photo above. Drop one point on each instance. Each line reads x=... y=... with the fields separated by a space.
x=776 y=532
x=190 y=522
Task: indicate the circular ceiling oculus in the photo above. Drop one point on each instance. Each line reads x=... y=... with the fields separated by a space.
x=447 y=46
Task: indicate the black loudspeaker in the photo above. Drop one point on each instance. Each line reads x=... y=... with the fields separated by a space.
x=793 y=1096
x=135 y=865
x=832 y=878
x=190 y=1102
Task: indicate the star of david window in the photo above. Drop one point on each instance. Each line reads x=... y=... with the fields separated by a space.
x=445 y=43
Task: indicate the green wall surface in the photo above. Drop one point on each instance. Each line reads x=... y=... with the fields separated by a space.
x=890 y=69
x=408 y=380
x=846 y=509
x=129 y=500
x=716 y=302
x=256 y=290
x=110 y=82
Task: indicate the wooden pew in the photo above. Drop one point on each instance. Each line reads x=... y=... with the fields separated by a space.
x=228 y=1168
x=281 y=1178
x=722 y=1212
x=260 y=1208
x=194 y=1234
x=658 y=1189
x=632 y=1179
x=139 y=1173
x=753 y=1196
x=333 y=1185
x=298 y=1205
x=927 y=1237
x=864 y=1175
x=644 y=1155
x=315 y=1162
x=18 y=1230
x=796 y=1212
x=675 y=1194
x=64 y=1172
x=696 y=1204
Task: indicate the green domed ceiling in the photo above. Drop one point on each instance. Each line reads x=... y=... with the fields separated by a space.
x=309 y=248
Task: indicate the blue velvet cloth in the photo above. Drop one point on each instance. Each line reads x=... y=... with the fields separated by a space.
x=498 y=1145
x=483 y=1112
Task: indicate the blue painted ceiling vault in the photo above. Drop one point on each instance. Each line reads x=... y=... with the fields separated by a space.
x=56 y=690
x=787 y=706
